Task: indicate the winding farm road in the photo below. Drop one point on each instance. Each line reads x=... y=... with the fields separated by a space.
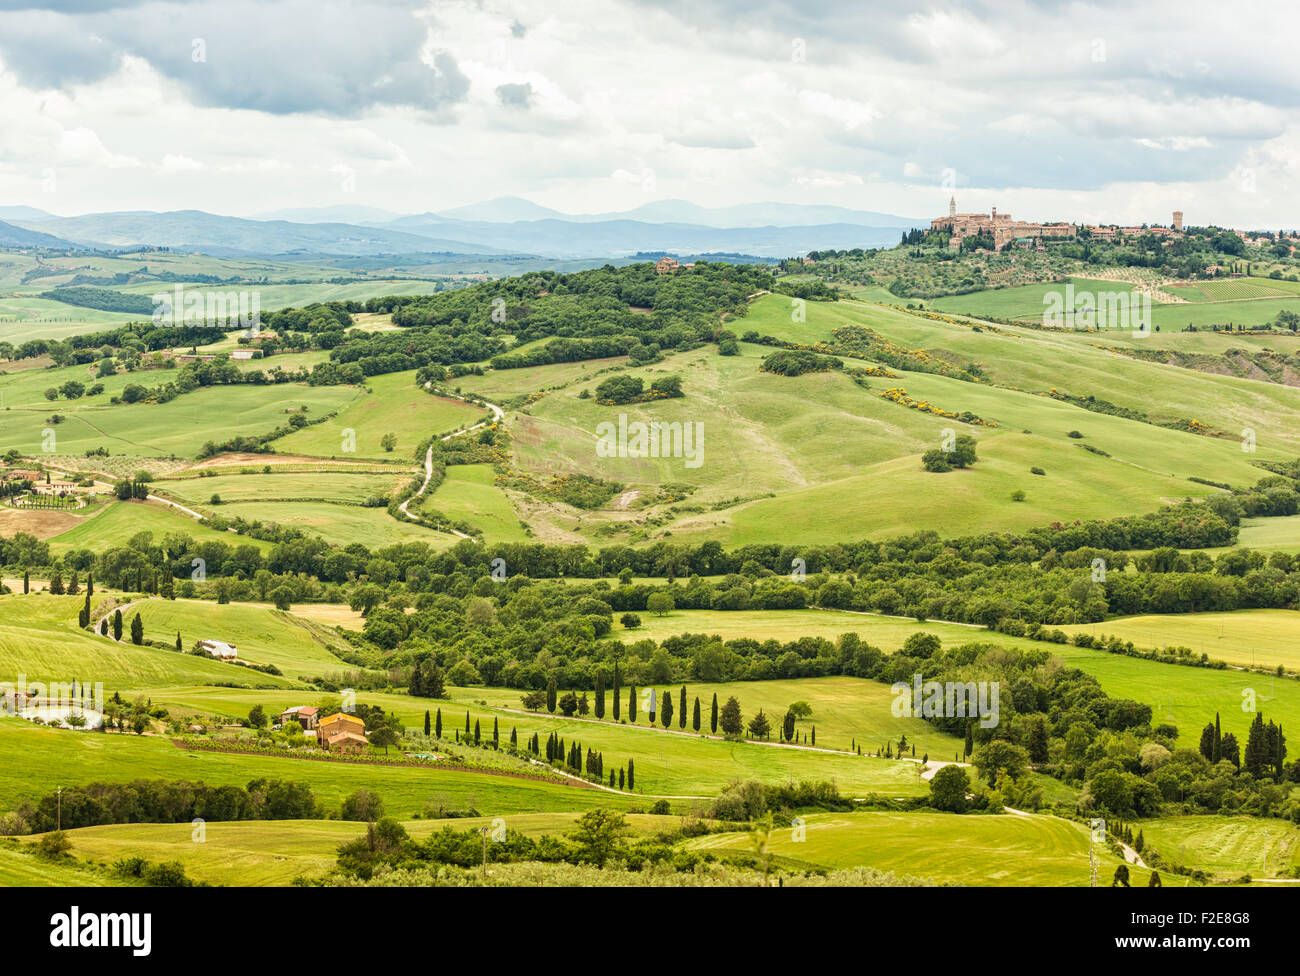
x=497 y=414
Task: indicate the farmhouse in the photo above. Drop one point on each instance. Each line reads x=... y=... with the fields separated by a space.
x=665 y=265
x=218 y=649
x=305 y=715
x=53 y=487
x=342 y=733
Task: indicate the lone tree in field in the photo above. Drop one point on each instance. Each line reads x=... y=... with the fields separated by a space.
x=948 y=789
x=729 y=718
x=661 y=604
x=137 y=630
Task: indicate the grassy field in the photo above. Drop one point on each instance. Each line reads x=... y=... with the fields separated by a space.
x=392 y=404
x=468 y=494
x=825 y=459
x=346 y=488
x=339 y=525
x=34 y=760
x=40 y=640
x=278 y=851
x=1258 y=638
x=263 y=636
x=1271 y=533
x=1240 y=302
x=971 y=849
x=116 y=523
x=844 y=710
x=22 y=869
x=180 y=427
x=1225 y=846
x=667 y=763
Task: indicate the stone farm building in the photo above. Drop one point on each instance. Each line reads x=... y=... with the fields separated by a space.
x=342 y=733
x=305 y=715
x=218 y=649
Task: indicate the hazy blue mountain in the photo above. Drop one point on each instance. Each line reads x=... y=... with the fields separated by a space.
x=616 y=238
x=11 y=235
x=502 y=210
x=225 y=236
x=24 y=213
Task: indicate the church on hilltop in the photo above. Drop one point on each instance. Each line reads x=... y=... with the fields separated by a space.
x=1003 y=230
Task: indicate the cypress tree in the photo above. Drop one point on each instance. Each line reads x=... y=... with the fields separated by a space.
x=179 y=645
x=428 y=722
x=137 y=630
x=668 y=709
x=970 y=739
x=496 y=734
x=713 y=722
x=90 y=584
x=695 y=718
x=476 y=732
x=681 y=709
x=514 y=738
x=1217 y=749
x=117 y=625
x=467 y=726
x=103 y=626
x=617 y=689
x=620 y=777
x=631 y=704
x=550 y=694
x=437 y=724
x=814 y=735
x=631 y=775
x=600 y=694
x=27 y=581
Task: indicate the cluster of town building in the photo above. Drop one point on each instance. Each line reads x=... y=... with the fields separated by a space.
x=1003 y=230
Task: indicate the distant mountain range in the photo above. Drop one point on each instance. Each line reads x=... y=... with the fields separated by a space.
x=504 y=226
x=12 y=235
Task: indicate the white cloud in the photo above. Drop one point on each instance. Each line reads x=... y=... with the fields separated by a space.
x=601 y=104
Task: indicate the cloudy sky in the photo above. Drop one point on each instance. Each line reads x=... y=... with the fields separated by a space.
x=1095 y=111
